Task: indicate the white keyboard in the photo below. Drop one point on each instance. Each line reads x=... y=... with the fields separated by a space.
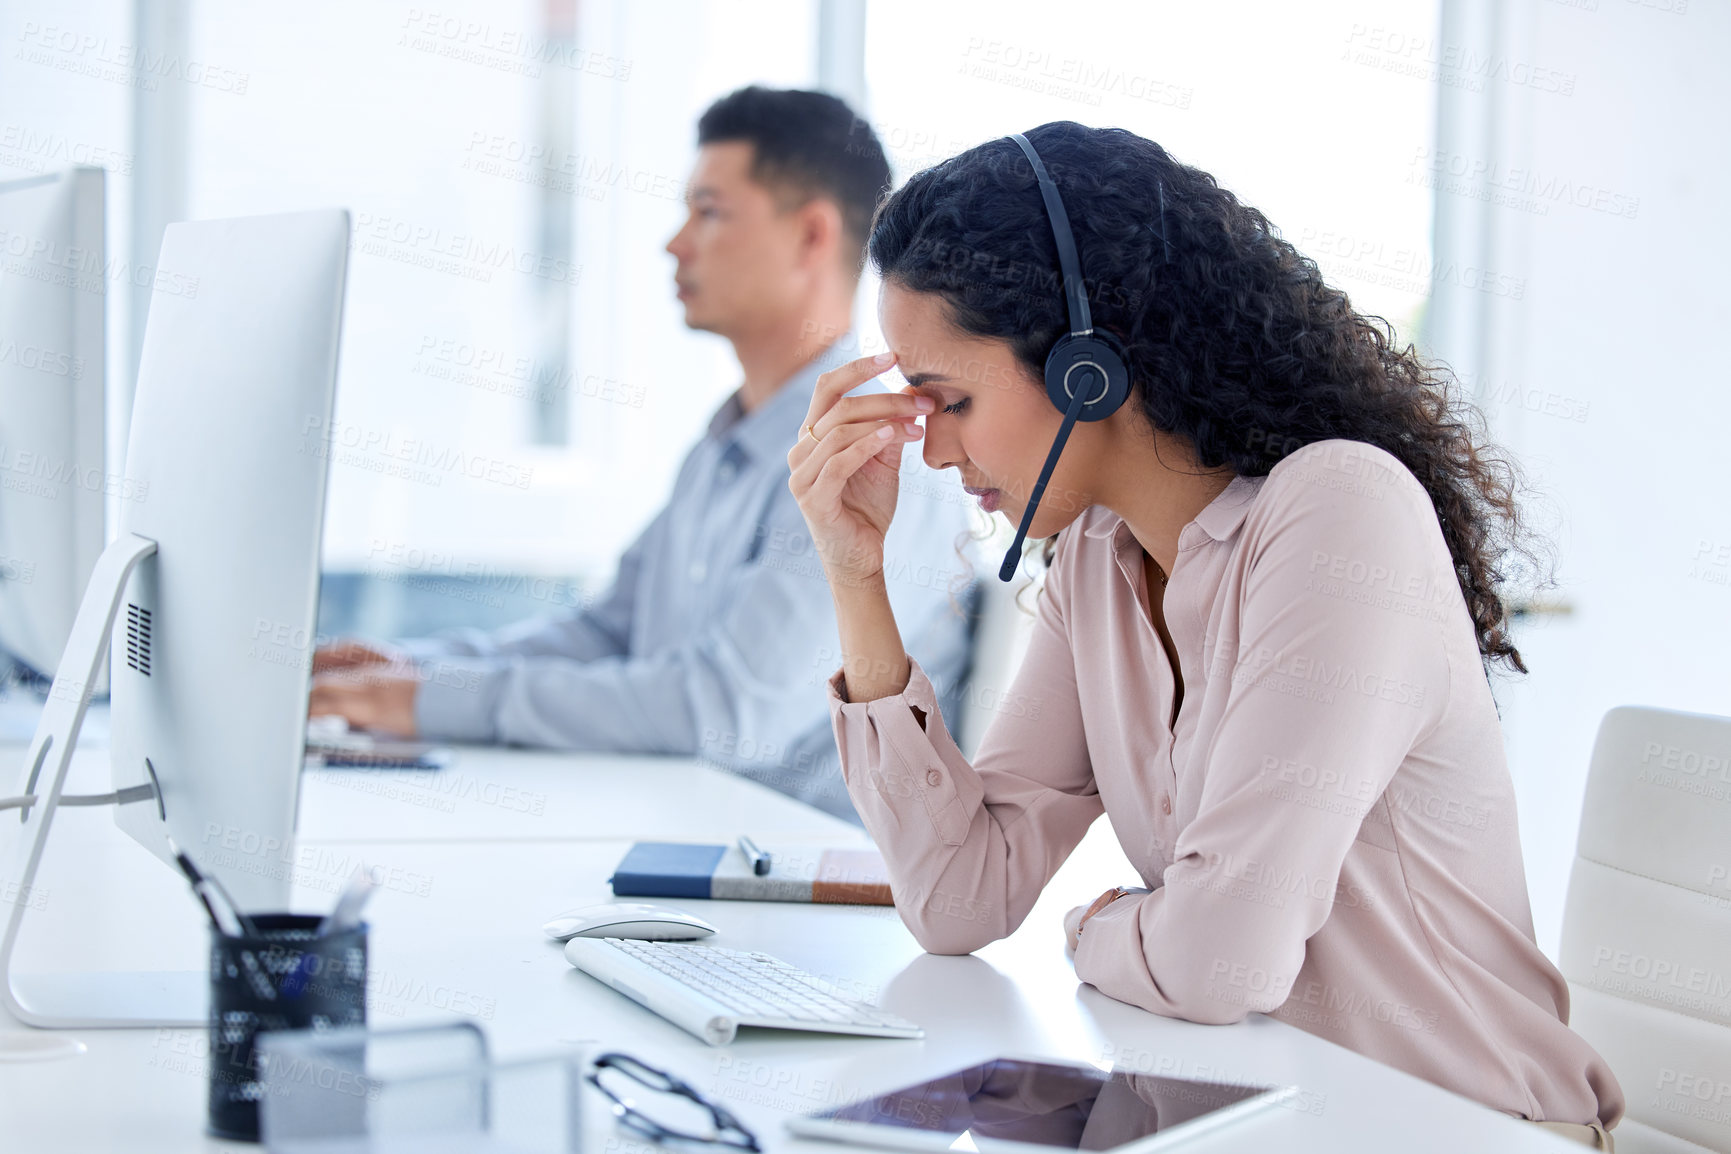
x=711 y=992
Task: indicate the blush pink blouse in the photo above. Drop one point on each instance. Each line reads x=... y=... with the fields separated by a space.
x=1328 y=830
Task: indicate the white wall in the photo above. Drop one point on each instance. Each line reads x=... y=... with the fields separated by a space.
x=1585 y=157
x=420 y=118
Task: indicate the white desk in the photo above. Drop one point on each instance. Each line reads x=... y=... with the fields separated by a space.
x=496 y=795
x=459 y=937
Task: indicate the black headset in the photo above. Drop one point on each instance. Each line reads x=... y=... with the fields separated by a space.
x=1085 y=374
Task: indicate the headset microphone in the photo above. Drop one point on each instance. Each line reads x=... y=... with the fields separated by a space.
x=1008 y=569
x=1085 y=375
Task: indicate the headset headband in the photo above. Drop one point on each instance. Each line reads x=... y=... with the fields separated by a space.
x=1075 y=296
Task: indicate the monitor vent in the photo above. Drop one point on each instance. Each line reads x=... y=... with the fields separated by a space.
x=138 y=638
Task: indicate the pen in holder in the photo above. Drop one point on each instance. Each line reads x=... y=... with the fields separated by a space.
x=283 y=976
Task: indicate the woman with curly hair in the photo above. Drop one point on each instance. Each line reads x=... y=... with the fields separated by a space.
x=1262 y=642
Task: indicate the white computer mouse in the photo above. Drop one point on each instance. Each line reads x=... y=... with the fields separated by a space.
x=639 y=920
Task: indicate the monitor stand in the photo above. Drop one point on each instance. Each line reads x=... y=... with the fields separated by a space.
x=100 y=999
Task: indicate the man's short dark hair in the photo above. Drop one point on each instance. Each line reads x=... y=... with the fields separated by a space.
x=809 y=143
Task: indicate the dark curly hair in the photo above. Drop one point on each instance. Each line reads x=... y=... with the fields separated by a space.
x=1235 y=342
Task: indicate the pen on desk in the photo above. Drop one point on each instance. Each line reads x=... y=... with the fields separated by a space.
x=754 y=857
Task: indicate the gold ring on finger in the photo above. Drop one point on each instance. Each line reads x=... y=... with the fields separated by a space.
x=812 y=433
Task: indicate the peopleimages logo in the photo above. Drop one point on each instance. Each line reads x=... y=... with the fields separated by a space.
x=501 y=49
x=1240 y=984
x=1424 y=57
x=1515 y=186
x=586 y=174
x=47 y=261
x=1693 y=1095
x=1664 y=980
x=99 y=58
x=40 y=359
x=1273 y=879
x=354 y=445
x=460 y=254
x=1682 y=759
x=40 y=475
x=1411 y=270
x=1265 y=667
x=1037 y=69
x=1705 y=774
x=26 y=148
x=518 y=375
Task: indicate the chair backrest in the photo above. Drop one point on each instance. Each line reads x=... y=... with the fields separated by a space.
x=1001 y=634
x=1647 y=928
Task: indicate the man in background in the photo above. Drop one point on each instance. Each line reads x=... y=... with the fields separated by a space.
x=718 y=629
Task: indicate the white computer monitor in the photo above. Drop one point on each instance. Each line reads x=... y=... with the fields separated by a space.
x=209 y=592
x=52 y=480
x=227 y=450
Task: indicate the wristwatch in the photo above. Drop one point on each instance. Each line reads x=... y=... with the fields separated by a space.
x=1116 y=892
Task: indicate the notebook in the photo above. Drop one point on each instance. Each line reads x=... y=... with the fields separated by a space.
x=656 y=869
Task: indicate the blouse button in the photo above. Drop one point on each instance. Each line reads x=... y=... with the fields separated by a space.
x=1166 y=803
x=934 y=778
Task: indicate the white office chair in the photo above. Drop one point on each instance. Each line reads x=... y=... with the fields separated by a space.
x=1647 y=928
x=1000 y=640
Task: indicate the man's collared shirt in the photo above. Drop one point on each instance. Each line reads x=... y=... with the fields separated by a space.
x=718 y=631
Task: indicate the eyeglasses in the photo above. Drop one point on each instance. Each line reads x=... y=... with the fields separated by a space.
x=676 y=1111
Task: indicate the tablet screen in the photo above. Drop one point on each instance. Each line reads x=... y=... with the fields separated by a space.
x=1066 y=1107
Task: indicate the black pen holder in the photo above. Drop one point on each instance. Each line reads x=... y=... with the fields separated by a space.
x=284 y=978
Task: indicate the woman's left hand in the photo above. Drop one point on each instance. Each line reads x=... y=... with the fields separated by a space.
x=1100 y=903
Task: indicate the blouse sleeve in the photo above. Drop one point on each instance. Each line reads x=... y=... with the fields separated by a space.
x=969 y=847
x=1254 y=875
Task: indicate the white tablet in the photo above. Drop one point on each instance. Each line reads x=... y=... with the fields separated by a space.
x=1013 y=1105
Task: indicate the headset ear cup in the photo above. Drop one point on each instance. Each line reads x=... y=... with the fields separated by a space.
x=1094 y=363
